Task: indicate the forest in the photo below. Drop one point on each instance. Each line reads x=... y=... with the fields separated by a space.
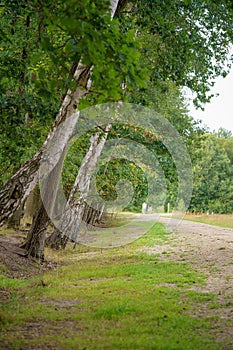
x=59 y=59
x=95 y=125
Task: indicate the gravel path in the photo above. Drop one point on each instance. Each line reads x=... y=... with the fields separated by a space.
x=208 y=249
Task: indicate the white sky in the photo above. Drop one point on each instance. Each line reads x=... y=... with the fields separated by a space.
x=219 y=112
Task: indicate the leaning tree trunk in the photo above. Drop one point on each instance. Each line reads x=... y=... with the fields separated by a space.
x=72 y=217
x=57 y=240
x=35 y=240
x=36 y=237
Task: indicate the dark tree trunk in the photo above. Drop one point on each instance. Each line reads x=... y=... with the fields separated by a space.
x=35 y=240
x=56 y=240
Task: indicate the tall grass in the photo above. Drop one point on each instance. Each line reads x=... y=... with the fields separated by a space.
x=222 y=220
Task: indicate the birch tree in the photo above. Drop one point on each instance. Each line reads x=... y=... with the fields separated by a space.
x=72 y=220
x=24 y=180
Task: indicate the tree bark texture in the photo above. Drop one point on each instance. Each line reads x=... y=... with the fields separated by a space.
x=71 y=222
x=35 y=240
x=56 y=240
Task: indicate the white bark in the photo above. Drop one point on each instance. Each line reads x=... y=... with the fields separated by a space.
x=113 y=7
x=71 y=221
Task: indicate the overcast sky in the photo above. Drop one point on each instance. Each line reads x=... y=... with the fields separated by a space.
x=219 y=112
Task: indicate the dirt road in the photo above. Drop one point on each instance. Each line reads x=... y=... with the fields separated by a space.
x=208 y=249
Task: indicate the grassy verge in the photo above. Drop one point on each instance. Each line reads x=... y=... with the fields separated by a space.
x=107 y=299
x=221 y=220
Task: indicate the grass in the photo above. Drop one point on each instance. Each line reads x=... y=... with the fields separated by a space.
x=107 y=299
x=222 y=220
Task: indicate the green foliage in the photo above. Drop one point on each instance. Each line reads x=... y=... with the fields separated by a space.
x=109 y=175
x=166 y=99
x=25 y=122
x=213 y=174
x=25 y=116
x=41 y=45
x=69 y=31
x=186 y=42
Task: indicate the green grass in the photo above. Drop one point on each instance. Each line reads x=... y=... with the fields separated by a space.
x=221 y=220
x=108 y=299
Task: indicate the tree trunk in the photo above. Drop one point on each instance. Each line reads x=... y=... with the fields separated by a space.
x=71 y=221
x=56 y=240
x=93 y=214
x=73 y=216
x=35 y=240
x=13 y=193
x=36 y=237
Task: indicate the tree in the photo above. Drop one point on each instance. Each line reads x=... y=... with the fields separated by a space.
x=186 y=42
x=213 y=177
x=23 y=181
